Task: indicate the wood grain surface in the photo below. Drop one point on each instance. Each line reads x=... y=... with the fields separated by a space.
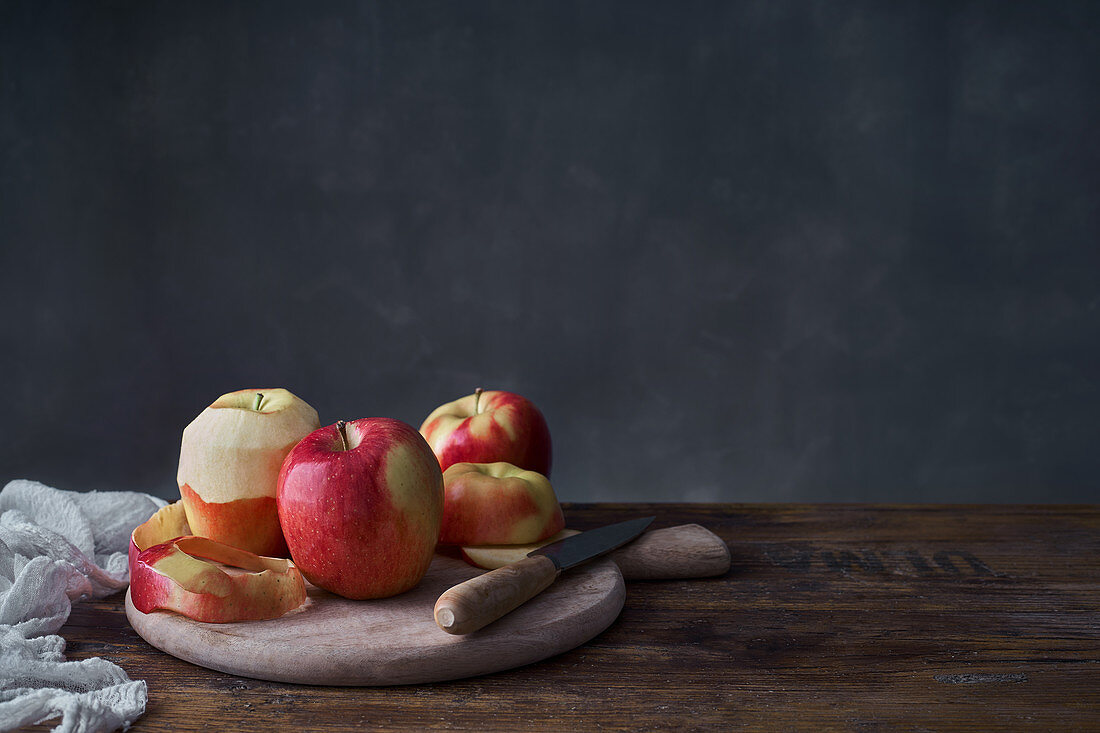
x=832 y=617
x=669 y=553
x=330 y=640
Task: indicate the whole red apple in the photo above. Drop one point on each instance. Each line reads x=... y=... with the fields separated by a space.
x=360 y=504
x=489 y=427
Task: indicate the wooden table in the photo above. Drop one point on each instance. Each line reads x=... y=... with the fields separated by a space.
x=849 y=617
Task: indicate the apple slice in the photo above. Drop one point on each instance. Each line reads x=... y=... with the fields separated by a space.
x=497 y=504
x=183 y=575
x=492 y=557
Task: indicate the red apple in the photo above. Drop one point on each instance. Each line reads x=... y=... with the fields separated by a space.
x=487 y=427
x=229 y=466
x=497 y=504
x=183 y=575
x=360 y=504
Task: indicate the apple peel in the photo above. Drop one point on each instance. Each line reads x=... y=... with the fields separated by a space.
x=184 y=575
x=491 y=557
x=168 y=523
x=170 y=569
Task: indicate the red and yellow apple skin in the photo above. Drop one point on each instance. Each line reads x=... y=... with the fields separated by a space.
x=487 y=427
x=182 y=575
x=167 y=523
x=229 y=466
x=167 y=571
x=361 y=513
x=497 y=504
x=491 y=557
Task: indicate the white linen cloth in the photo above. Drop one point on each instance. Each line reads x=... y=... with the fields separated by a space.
x=57 y=547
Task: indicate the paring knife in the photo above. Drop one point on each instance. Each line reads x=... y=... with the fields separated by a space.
x=479 y=601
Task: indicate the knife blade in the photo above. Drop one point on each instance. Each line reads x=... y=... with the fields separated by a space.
x=479 y=601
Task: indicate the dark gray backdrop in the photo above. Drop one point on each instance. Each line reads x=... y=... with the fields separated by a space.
x=734 y=250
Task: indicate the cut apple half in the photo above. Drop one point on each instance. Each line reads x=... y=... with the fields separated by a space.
x=492 y=557
x=172 y=570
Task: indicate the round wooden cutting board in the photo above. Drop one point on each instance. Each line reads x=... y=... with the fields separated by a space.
x=330 y=640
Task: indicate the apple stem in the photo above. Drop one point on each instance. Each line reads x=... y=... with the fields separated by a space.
x=341 y=427
x=477 y=398
x=259 y=399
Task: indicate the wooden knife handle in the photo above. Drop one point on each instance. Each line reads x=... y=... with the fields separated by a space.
x=685 y=551
x=479 y=601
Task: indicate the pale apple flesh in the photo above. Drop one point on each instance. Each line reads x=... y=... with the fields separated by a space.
x=497 y=504
x=488 y=427
x=491 y=557
x=361 y=513
x=174 y=577
x=229 y=465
